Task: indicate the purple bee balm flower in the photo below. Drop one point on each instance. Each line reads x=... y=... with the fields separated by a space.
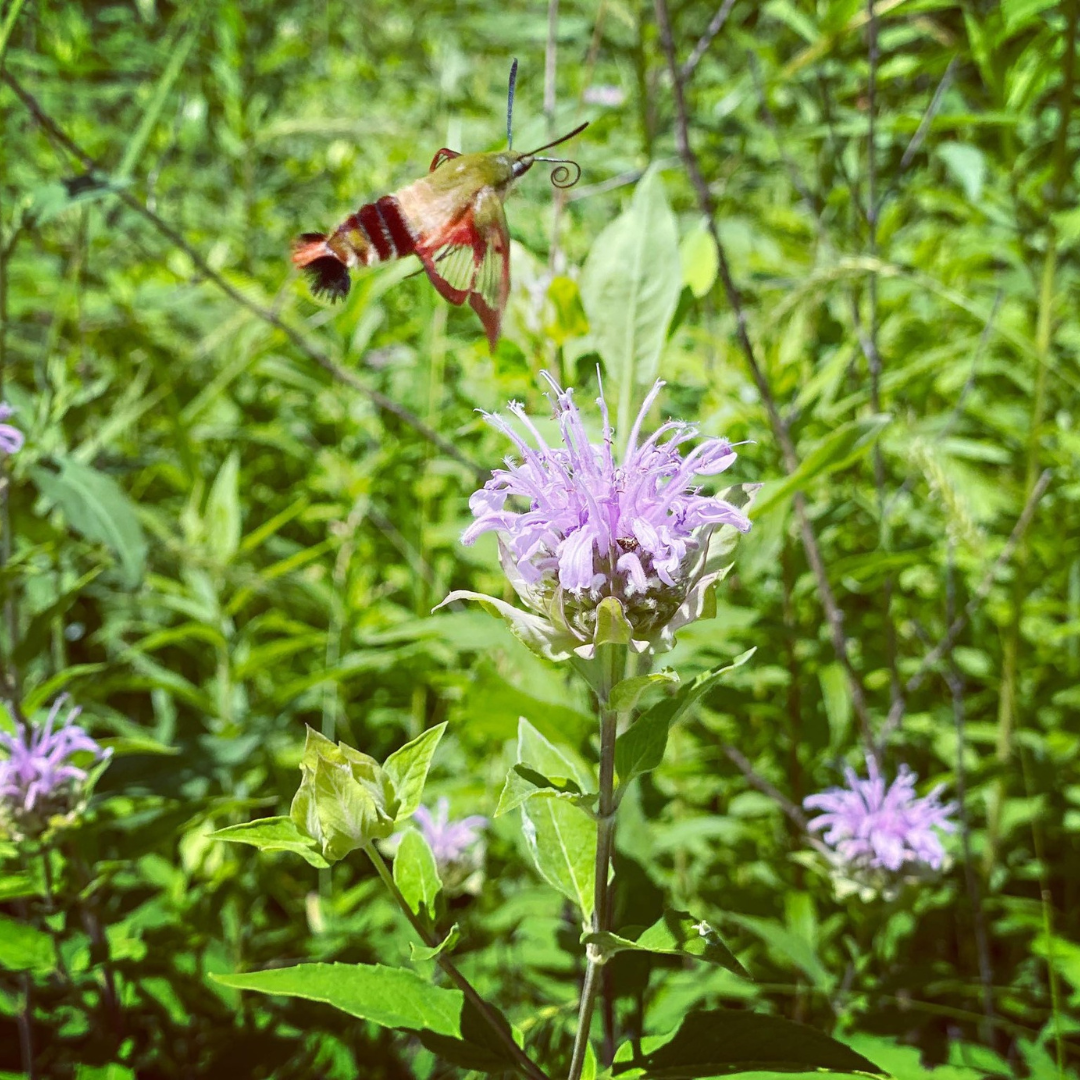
x=578 y=527
x=874 y=826
x=38 y=779
x=11 y=438
x=451 y=842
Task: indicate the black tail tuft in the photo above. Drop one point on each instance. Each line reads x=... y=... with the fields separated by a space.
x=329 y=278
x=329 y=275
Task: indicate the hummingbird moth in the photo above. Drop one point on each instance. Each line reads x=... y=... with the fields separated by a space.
x=452 y=220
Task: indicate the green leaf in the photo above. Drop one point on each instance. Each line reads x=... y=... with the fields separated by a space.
x=534 y=632
x=41 y=695
x=558 y=763
x=408 y=769
x=422 y=952
x=630 y=287
x=626 y=694
x=843 y=447
x=562 y=841
x=699 y=259
x=590 y=1066
x=543 y=769
x=569 y=319
x=417 y=875
x=719 y=1042
x=641 y=748
x=222 y=517
x=15 y=885
x=795 y=948
x=125 y=745
x=273 y=834
x=388 y=996
x=612 y=625
x=111 y=1071
x=675 y=933
x=96 y=507
x=523 y=783
x=447 y=1024
x=836 y=693
x=478 y=1048
x=25 y=948
x=966 y=165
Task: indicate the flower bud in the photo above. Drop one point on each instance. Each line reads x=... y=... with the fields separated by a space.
x=345 y=799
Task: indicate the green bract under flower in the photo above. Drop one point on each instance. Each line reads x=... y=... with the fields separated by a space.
x=602 y=551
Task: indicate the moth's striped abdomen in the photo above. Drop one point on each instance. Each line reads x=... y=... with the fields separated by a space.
x=376 y=233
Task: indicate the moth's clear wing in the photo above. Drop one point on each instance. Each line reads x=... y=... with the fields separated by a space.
x=491 y=286
x=471 y=261
x=454 y=265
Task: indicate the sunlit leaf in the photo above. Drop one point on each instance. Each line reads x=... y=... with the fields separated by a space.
x=273 y=834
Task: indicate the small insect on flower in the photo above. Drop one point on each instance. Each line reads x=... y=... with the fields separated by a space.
x=452 y=220
x=38 y=778
x=874 y=826
x=11 y=438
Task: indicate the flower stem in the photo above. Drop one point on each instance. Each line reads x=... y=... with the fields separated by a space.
x=501 y=1030
x=613 y=667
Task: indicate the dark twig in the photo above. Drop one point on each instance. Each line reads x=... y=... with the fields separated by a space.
x=833 y=614
x=742 y=763
x=920 y=132
x=965 y=390
x=23 y=1021
x=379 y=399
x=946 y=643
x=551 y=58
x=702 y=47
x=835 y=149
x=869 y=343
x=9 y=679
x=956 y=688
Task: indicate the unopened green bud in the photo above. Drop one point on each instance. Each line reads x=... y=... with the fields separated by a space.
x=345 y=799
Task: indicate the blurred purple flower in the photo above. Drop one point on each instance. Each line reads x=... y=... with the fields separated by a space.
x=453 y=843
x=11 y=438
x=637 y=530
x=603 y=94
x=874 y=826
x=38 y=779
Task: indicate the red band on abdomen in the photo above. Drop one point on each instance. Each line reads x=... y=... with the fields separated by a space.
x=396 y=225
x=372 y=223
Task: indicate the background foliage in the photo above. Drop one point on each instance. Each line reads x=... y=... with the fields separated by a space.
x=212 y=539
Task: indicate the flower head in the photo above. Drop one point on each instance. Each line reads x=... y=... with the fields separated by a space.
x=11 y=438
x=578 y=527
x=38 y=779
x=456 y=845
x=874 y=826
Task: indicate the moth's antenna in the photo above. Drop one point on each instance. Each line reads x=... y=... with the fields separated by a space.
x=510 y=106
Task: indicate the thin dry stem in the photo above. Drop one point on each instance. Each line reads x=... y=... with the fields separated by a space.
x=833 y=613
x=956 y=627
x=377 y=398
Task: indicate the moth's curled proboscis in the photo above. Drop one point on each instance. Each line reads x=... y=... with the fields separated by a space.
x=566 y=174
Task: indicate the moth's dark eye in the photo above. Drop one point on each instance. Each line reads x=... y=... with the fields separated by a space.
x=521 y=166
